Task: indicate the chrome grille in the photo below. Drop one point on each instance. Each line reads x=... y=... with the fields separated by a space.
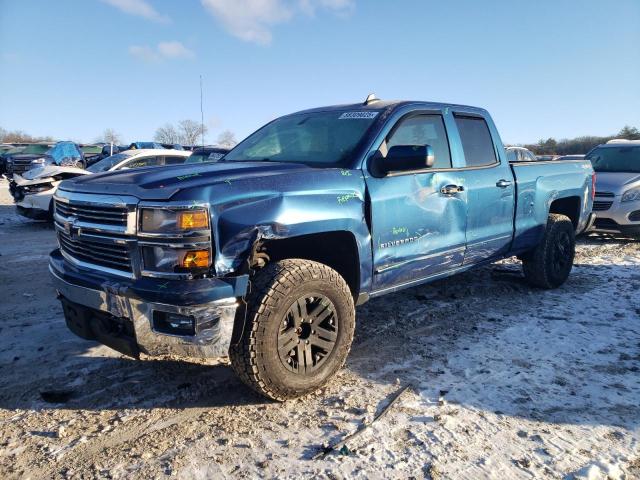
x=600 y=206
x=605 y=194
x=19 y=166
x=109 y=255
x=97 y=232
x=109 y=215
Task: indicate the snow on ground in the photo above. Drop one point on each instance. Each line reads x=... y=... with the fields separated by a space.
x=506 y=382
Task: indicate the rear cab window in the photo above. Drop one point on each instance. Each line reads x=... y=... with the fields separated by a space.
x=477 y=143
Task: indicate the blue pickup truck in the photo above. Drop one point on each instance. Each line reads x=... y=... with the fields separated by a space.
x=264 y=255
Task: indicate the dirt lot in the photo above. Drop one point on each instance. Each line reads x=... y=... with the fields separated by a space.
x=507 y=382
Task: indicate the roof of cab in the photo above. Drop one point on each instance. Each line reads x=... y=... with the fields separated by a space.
x=379 y=105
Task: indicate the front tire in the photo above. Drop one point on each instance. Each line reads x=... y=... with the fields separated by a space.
x=299 y=328
x=549 y=264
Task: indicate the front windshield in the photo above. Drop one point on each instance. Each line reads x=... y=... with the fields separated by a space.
x=106 y=163
x=320 y=138
x=616 y=159
x=34 y=149
x=91 y=149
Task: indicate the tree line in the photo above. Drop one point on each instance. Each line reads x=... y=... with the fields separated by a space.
x=579 y=145
x=191 y=132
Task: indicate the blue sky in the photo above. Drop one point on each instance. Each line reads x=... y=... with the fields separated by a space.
x=71 y=68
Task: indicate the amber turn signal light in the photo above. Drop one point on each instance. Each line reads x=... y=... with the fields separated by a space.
x=195 y=259
x=193 y=219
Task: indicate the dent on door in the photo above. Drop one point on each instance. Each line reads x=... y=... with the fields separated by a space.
x=418 y=231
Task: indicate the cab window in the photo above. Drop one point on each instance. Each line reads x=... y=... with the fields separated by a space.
x=422 y=130
x=476 y=141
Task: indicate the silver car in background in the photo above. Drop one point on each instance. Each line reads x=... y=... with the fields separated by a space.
x=617 y=202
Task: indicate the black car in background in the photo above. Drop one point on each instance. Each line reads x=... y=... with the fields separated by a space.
x=19 y=160
x=207 y=154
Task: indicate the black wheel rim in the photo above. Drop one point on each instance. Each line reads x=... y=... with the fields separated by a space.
x=307 y=334
x=562 y=252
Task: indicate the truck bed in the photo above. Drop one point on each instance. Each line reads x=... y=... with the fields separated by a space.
x=538 y=185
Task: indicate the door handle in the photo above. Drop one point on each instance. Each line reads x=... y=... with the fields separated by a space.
x=503 y=183
x=451 y=189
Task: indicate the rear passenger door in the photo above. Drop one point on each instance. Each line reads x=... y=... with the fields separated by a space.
x=489 y=183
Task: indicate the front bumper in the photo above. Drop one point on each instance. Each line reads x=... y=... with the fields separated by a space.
x=124 y=314
x=622 y=217
x=34 y=205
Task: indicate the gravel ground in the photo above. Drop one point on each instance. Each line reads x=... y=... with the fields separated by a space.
x=506 y=382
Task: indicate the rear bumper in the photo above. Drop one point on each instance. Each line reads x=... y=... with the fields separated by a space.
x=98 y=308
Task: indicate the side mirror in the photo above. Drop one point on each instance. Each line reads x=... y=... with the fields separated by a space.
x=402 y=158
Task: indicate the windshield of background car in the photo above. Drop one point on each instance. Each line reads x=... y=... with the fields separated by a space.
x=616 y=159
x=199 y=157
x=33 y=149
x=319 y=138
x=91 y=149
x=106 y=163
x=13 y=151
x=64 y=153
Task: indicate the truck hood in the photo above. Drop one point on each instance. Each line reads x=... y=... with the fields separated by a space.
x=162 y=183
x=616 y=182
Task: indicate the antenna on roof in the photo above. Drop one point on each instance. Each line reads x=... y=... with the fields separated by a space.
x=371 y=98
x=201 y=114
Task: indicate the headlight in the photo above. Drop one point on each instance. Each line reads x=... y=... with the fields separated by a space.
x=175 y=260
x=43 y=187
x=161 y=220
x=631 y=195
x=39 y=162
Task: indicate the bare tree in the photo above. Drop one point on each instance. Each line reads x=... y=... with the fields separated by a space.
x=18 y=136
x=227 y=139
x=191 y=132
x=167 y=134
x=111 y=136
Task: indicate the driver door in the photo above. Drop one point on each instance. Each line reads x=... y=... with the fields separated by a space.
x=418 y=230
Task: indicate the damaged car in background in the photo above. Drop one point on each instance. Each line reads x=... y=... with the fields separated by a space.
x=263 y=255
x=33 y=191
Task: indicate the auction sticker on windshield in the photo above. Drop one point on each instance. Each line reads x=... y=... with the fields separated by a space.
x=357 y=115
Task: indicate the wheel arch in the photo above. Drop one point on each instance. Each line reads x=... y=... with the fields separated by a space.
x=335 y=249
x=568 y=206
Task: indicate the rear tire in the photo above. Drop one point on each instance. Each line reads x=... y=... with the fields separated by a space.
x=549 y=264
x=299 y=328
